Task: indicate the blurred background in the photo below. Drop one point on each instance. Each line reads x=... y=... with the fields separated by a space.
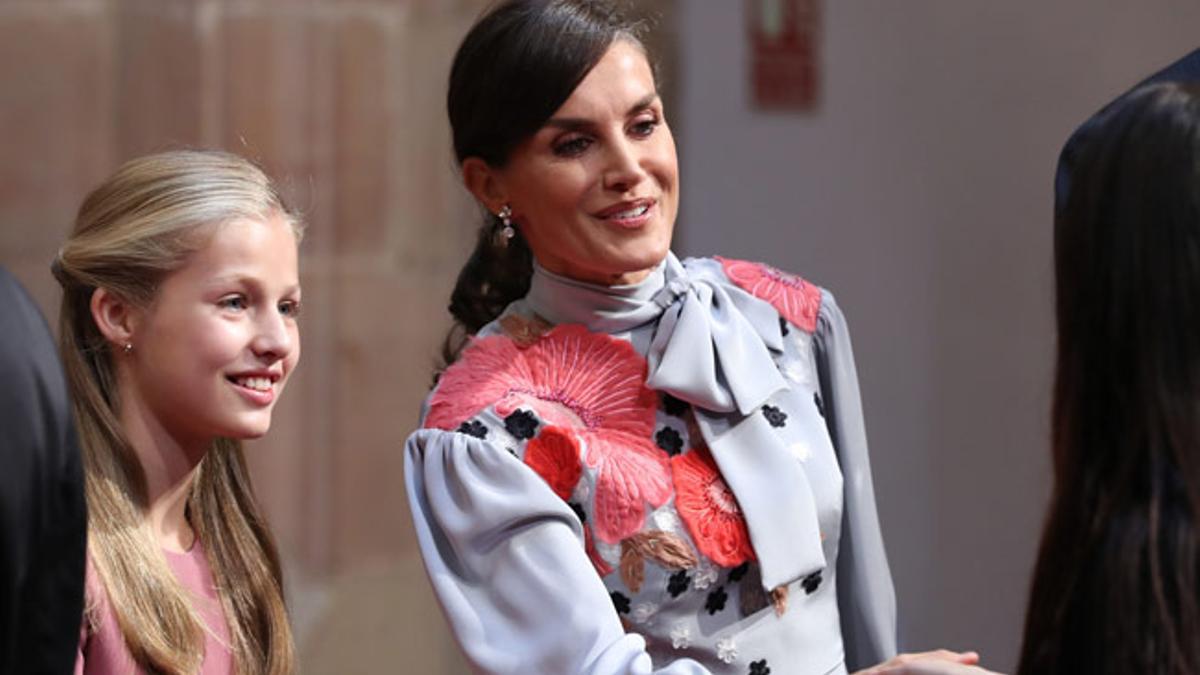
x=913 y=177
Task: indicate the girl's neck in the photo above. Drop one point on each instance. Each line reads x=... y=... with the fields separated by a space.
x=169 y=465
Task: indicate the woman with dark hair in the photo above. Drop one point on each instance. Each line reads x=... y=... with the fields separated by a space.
x=1117 y=584
x=633 y=463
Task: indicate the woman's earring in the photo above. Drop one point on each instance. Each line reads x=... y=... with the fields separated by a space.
x=128 y=348
x=505 y=216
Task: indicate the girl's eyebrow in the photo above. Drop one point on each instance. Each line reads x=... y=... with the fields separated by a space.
x=578 y=124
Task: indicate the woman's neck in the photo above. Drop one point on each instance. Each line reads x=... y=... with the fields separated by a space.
x=169 y=466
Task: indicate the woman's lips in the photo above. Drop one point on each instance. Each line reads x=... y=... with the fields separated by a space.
x=629 y=215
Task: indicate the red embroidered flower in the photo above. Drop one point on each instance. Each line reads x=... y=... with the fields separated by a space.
x=554 y=455
x=589 y=385
x=709 y=509
x=796 y=299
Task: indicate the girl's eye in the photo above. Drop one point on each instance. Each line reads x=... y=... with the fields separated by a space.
x=572 y=147
x=233 y=302
x=290 y=308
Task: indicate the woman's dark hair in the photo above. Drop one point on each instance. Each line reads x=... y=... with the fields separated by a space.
x=518 y=64
x=1117 y=583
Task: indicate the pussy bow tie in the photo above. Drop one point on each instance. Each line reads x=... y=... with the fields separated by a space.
x=714 y=347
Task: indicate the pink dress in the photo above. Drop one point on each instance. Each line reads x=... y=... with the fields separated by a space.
x=102 y=648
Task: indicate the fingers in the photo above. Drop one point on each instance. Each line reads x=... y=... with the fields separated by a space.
x=935 y=662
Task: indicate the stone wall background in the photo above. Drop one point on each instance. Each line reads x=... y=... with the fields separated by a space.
x=342 y=101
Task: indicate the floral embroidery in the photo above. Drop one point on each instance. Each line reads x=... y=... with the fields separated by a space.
x=668 y=439
x=759 y=667
x=710 y=510
x=473 y=428
x=811 y=582
x=796 y=299
x=681 y=637
x=716 y=600
x=774 y=415
x=726 y=650
x=643 y=612
x=665 y=548
x=590 y=384
x=666 y=520
x=554 y=455
x=524 y=331
x=800 y=450
x=706 y=575
x=521 y=424
x=678 y=583
x=589 y=543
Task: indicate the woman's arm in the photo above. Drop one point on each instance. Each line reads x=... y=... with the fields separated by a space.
x=866 y=597
x=507 y=562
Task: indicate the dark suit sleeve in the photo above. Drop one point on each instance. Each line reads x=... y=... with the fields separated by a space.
x=43 y=520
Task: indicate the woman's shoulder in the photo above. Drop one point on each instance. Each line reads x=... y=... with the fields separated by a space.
x=798 y=300
x=522 y=362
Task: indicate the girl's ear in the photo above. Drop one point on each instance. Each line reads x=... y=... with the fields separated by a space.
x=485 y=183
x=114 y=316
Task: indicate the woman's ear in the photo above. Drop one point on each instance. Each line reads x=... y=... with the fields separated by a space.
x=114 y=316
x=485 y=183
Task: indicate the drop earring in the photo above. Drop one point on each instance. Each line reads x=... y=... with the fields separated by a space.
x=505 y=216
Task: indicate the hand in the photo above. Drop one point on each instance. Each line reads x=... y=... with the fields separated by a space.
x=938 y=662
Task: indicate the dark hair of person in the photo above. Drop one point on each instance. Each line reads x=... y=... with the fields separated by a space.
x=1117 y=583
x=518 y=65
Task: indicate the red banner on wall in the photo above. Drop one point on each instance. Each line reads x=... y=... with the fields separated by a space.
x=784 y=41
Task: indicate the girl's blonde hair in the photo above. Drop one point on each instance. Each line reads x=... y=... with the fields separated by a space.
x=133 y=230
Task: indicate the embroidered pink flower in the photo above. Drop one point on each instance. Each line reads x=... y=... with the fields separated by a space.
x=709 y=509
x=794 y=298
x=554 y=455
x=589 y=385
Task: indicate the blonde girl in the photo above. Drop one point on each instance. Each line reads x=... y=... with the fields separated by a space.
x=178 y=332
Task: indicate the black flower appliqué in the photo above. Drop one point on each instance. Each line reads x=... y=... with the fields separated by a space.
x=473 y=428
x=620 y=602
x=738 y=572
x=678 y=583
x=716 y=600
x=774 y=415
x=521 y=424
x=811 y=582
x=673 y=406
x=578 y=509
x=668 y=439
x=760 y=667
x=817 y=402
x=783 y=327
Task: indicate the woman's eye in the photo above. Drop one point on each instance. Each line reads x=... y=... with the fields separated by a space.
x=289 y=308
x=644 y=128
x=572 y=147
x=234 y=302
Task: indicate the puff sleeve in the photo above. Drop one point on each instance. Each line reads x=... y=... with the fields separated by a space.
x=506 y=559
x=866 y=597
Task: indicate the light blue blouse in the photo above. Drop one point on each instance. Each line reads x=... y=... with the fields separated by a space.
x=527 y=584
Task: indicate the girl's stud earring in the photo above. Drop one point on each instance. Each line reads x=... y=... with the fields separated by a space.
x=128 y=348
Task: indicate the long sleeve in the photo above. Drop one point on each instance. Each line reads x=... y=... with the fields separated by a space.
x=866 y=597
x=507 y=561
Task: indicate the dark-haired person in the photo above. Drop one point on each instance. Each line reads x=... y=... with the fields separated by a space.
x=1186 y=69
x=636 y=464
x=1117 y=582
x=43 y=517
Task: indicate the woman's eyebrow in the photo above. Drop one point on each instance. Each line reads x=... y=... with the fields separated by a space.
x=579 y=123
